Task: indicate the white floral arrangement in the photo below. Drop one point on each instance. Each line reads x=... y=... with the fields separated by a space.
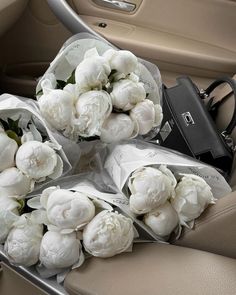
x=164 y=201
x=29 y=155
x=63 y=228
x=92 y=90
x=162 y=189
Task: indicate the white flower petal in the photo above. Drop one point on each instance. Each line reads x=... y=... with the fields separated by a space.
x=59 y=251
x=108 y=234
x=193 y=195
x=58 y=169
x=69 y=210
x=8 y=148
x=126 y=94
x=7 y=219
x=117 y=127
x=23 y=243
x=163 y=220
x=14 y=183
x=57 y=108
x=102 y=204
x=144 y=114
x=122 y=61
x=45 y=195
x=36 y=159
x=92 y=109
x=92 y=73
x=149 y=188
x=48 y=83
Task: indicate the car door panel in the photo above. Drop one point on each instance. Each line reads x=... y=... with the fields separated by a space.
x=185 y=34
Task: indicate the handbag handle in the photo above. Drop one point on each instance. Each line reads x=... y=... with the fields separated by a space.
x=214 y=107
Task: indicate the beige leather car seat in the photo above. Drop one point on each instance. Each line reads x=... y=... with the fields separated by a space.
x=169 y=269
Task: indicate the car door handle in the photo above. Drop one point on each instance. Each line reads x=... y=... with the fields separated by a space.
x=116 y=4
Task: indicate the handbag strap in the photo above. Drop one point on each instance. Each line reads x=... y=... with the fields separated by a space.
x=214 y=107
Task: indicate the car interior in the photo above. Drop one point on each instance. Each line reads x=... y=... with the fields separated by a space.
x=186 y=37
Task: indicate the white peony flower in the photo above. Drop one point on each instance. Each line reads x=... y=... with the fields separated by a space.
x=118 y=127
x=8 y=148
x=9 y=204
x=7 y=219
x=8 y=215
x=162 y=220
x=74 y=90
x=92 y=109
x=122 y=61
x=92 y=73
x=193 y=195
x=48 y=83
x=38 y=160
x=150 y=188
x=23 y=242
x=147 y=115
x=13 y=183
x=108 y=234
x=57 y=108
x=126 y=94
x=59 y=250
x=67 y=209
x=158 y=114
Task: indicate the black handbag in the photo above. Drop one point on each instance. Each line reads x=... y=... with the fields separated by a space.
x=188 y=123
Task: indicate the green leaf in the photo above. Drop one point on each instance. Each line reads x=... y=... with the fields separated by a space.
x=71 y=79
x=40 y=92
x=13 y=136
x=13 y=125
x=61 y=84
x=21 y=205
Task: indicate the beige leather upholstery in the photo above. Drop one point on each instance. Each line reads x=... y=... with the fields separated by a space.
x=215 y=229
x=155 y=269
x=11 y=283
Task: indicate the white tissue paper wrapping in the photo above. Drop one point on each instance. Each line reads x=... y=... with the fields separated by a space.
x=120 y=160
x=72 y=53
x=15 y=107
x=124 y=158
x=101 y=186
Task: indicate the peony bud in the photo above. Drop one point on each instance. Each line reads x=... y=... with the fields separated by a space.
x=23 y=242
x=126 y=94
x=92 y=73
x=122 y=61
x=118 y=127
x=108 y=234
x=162 y=220
x=38 y=160
x=67 y=209
x=57 y=108
x=92 y=108
x=150 y=188
x=13 y=183
x=146 y=114
x=59 y=250
x=193 y=195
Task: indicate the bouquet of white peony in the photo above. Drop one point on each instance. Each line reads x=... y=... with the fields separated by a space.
x=163 y=189
x=29 y=153
x=78 y=222
x=93 y=90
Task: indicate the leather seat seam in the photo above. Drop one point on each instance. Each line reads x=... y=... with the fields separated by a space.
x=212 y=217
